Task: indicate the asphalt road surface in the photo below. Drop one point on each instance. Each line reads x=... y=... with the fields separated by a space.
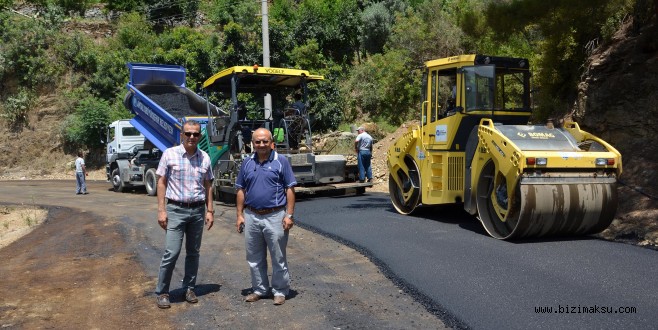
x=446 y=261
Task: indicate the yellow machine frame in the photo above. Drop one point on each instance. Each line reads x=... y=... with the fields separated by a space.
x=460 y=153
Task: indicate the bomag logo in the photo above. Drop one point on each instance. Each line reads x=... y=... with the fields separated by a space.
x=277 y=71
x=542 y=135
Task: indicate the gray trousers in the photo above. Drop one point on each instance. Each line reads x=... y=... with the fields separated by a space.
x=263 y=233
x=80 y=183
x=187 y=222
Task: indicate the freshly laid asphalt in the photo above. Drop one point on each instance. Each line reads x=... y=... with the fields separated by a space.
x=444 y=258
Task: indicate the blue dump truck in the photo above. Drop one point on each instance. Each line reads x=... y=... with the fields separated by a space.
x=161 y=103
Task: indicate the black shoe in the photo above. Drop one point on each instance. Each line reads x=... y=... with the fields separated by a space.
x=163 y=300
x=78 y=193
x=190 y=297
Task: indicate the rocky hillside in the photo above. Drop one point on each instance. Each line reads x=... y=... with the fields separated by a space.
x=618 y=100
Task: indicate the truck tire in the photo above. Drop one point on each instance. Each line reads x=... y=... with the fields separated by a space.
x=151 y=182
x=117 y=183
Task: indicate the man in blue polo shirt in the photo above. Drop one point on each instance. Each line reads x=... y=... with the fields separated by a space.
x=265 y=205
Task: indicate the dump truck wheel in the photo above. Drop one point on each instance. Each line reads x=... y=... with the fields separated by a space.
x=405 y=198
x=117 y=183
x=151 y=182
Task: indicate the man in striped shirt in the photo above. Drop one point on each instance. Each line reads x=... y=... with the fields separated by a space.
x=185 y=183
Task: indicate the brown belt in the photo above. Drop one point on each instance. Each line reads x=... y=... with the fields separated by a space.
x=265 y=211
x=186 y=204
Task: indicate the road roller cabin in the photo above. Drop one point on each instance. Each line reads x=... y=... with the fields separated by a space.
x=474 y=146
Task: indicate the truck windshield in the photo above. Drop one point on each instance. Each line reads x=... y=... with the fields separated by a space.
x=130 y=131
x=491 y=88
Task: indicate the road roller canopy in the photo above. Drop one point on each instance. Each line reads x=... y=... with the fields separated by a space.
x=255 y=79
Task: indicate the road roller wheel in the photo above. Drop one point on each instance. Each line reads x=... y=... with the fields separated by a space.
x=496 y=207
x=406 y=197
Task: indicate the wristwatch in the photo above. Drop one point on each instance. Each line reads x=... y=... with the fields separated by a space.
x=211 y=211
x=290 y=216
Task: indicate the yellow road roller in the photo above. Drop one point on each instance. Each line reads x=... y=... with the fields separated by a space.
x=474 y=146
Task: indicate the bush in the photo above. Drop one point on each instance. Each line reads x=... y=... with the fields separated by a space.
x=16 y=108
x=74 y=6
x=78 y=52
x=85 y=128
x=27 y=54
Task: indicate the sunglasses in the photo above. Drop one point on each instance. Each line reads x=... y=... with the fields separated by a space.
x=262 y=142
x=195 y=134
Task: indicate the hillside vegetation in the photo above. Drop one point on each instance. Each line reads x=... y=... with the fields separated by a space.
x=63 y=66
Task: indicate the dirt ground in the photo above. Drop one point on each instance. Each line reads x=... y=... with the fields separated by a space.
x=92 y=264
x=66 y=278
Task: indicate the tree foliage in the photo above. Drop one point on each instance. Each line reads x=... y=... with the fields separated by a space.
x=86 y=126
x=383 y=87
x=387 y=85
x=376 y=22
x=368 y=50
x=564 y=29
x=27 y=52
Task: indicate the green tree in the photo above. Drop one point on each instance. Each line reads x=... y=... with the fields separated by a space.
x=237 y=48
x=108 y=80
x=383 y=87
x=333 y=24
x=78 y=52
x=245 y=13
x=27 y=52
x=133 y=31
x=4 y=4
x=387 y=86
x=376 y=23
x=86 y=126
x=187 y=47
x=564 y=28
x=326 y=101
x=426 y=33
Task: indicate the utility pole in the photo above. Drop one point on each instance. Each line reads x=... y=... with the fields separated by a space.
x=266 y=54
